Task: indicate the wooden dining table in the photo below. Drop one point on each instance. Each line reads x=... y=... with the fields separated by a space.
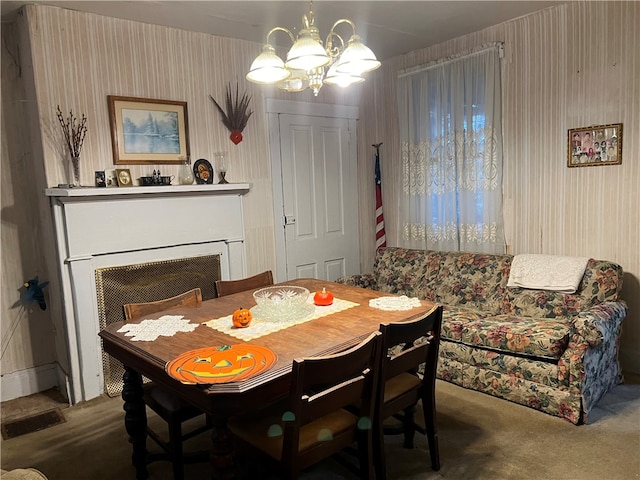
x=327 y=334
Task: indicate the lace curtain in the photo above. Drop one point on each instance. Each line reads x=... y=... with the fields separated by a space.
x=451 y=142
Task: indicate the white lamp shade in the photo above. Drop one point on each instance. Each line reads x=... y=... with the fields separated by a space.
x=334 y=77
x=267 y=67
x=306 y=53
x=357 y=58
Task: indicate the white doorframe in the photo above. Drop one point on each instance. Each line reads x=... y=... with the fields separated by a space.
x=274 y=107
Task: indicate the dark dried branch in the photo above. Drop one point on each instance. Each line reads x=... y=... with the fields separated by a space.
x=74 y=131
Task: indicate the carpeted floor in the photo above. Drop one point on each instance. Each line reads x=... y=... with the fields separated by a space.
x=481 y=437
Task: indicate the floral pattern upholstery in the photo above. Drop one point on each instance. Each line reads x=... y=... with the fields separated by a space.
x=471 y=280
x=405 y=271
x=555 y=352
x=533 y=337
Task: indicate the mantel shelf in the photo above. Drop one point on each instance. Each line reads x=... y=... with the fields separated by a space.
x=226 y=189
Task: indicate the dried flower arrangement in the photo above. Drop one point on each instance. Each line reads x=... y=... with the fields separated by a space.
x=237 y=114
x=74 y=131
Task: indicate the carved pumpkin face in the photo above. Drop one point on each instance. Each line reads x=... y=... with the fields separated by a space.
x=220 y=364
x=242 y=318
x=228 y=365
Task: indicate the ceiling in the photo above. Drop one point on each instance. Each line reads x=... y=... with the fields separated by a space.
x=389 y=28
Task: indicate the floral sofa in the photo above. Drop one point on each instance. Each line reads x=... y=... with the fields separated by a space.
x=555 y=352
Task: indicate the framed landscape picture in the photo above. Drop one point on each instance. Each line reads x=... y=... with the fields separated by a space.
x=596 y=145
x=148 y=131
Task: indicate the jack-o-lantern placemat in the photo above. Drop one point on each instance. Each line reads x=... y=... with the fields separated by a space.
x=221 y=364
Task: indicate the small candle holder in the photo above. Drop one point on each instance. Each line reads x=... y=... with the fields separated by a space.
x=221 y=166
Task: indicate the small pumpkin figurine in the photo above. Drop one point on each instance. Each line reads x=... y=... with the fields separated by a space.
x=242 y=318
x=323 y=298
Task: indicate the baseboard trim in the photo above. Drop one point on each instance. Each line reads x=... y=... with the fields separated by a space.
x=29 y=381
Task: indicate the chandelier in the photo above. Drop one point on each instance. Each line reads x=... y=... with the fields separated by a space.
x=310 y=64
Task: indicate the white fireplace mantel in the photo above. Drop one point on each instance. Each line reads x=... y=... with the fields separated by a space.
x=210 y=189
x=104 y=227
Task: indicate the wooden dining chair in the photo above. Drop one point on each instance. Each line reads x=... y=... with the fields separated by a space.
x=405 y=347
x=313 y=423
x=227 y=287
x=191 y=298
x=171 y=408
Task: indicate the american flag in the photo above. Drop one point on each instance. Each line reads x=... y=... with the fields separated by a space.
x=381 y=238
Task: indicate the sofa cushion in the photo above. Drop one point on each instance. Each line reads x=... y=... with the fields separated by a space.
x=601 y=282
x=476 y=281
x=456 y=320
x=405 y=271
x=534 y=337
x=542 y=303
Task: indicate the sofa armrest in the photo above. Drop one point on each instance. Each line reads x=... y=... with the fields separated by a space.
x=365 y=280
x=594 y=340
x=600 y=323
x=590 y=367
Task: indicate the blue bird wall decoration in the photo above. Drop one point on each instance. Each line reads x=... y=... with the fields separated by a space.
x=34 y=293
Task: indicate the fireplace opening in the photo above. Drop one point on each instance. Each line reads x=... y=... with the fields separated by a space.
x=147 y=282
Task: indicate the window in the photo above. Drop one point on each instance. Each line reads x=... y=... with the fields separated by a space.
x=451 y=139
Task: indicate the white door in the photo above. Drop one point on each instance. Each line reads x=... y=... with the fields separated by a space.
x=319 y=212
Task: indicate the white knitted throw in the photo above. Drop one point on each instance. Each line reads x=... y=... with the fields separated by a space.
x=547 y=272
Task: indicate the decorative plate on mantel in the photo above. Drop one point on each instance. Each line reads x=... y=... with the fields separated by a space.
x=203 y=171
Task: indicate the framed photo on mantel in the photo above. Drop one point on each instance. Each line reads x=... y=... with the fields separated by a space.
x=148 y=131
x=595 y=145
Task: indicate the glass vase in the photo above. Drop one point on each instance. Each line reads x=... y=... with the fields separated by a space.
x=75 y=170
x=185 y=174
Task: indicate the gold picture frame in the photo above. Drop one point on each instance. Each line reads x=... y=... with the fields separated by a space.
x=124 y=177
x=595 y=145
x=147 y=131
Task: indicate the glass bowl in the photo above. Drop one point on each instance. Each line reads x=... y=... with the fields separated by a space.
x=281 y=303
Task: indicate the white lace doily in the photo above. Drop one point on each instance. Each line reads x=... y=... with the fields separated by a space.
x=395 y=303
x=149 y=330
